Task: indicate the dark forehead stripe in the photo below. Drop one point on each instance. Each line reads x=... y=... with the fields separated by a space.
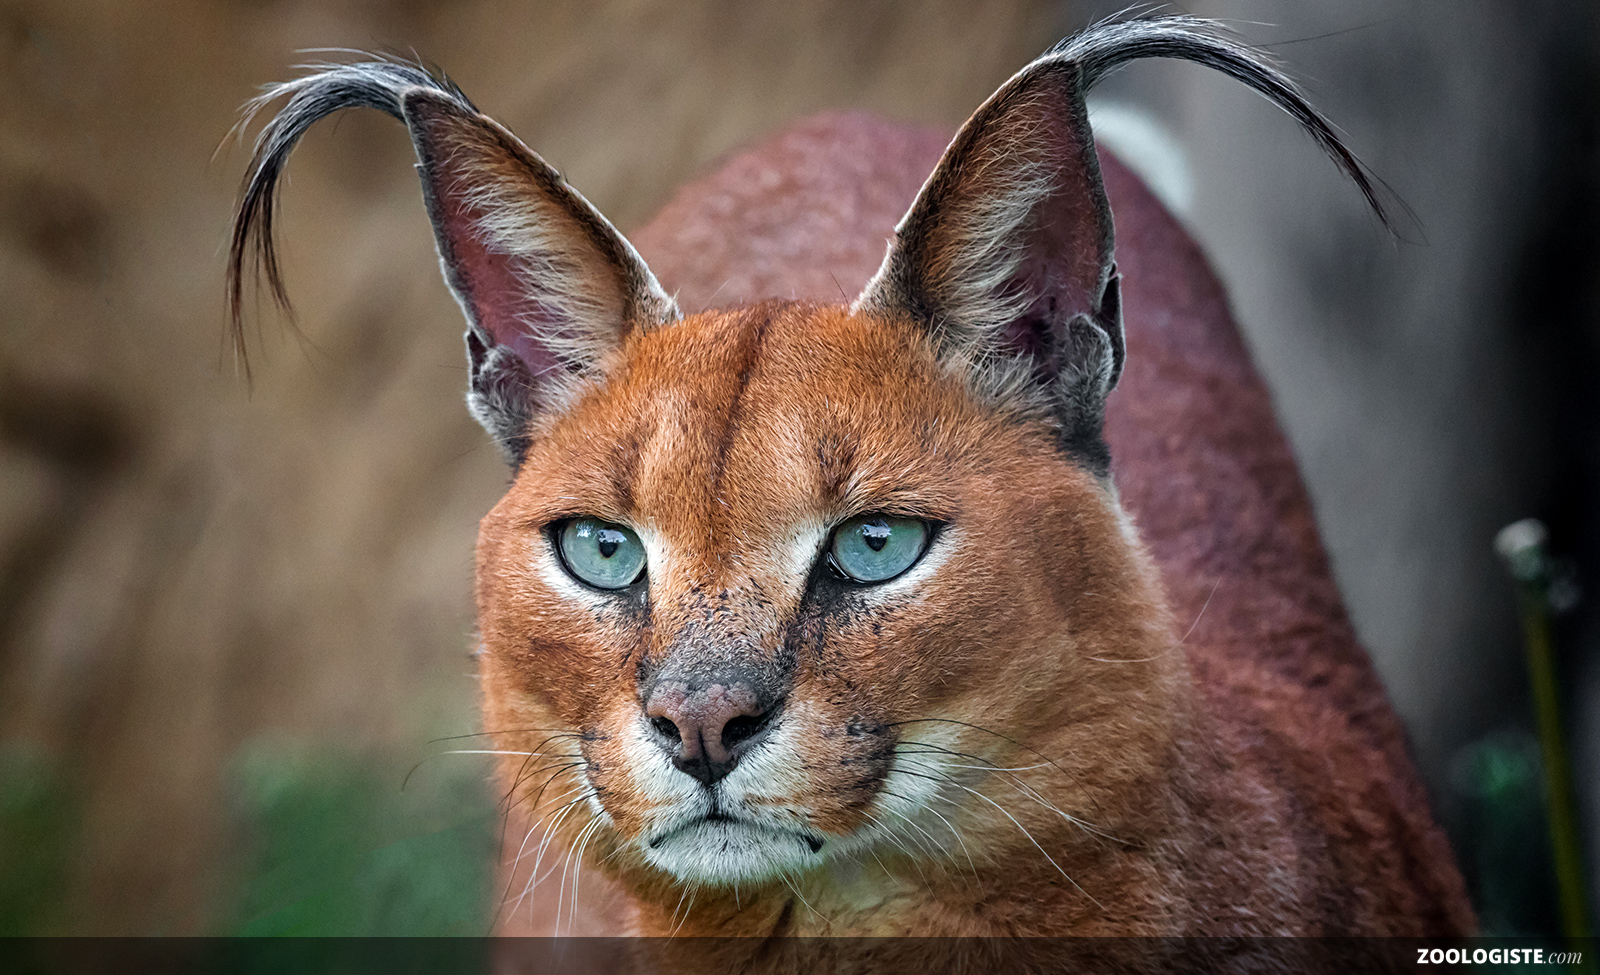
x=751 y=333
x=836 y=458
x=683 y=410
x=625 y=461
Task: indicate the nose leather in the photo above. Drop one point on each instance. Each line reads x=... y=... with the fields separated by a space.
x=700 y=716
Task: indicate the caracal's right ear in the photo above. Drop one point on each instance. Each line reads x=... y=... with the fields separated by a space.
x=1006 y=258
x=547 y=284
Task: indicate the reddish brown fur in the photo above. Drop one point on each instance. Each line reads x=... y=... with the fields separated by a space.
x=1253 y=781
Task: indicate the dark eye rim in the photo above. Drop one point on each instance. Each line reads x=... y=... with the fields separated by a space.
x=555 y=529
x=931 y=528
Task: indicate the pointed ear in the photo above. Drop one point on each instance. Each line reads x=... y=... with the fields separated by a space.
x=1006 y=256
x=547 y=284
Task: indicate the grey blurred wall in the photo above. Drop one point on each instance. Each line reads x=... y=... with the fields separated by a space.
x=1438 y=387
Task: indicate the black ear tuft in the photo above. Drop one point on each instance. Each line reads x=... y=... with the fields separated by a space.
x=330 y=88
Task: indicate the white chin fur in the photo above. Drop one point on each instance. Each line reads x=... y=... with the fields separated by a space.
x=726 y=852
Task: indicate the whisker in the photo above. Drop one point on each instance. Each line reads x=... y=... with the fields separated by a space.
x=505 y=824
x=895 y=838
x=544 y=842
x=918 y=827
x=1018 y=783
x=1181 y=641
x=942 y=852
x=986 y=731
x=917 y=805
x=454 y=751
x=683 y=893
x=881 y=865
x=555 y=773
x=957 y=834
x=1014 y=821
x=986 y=768
x=566 y=862
x=560 y=733
x=1035 y=843
x=506 y=799
x=935 y=845
x=692 y=890
x=593 y=826
x=563 y=805
x=1030 y=792
x=535 y=878
x=796 y=891
x=511 y=877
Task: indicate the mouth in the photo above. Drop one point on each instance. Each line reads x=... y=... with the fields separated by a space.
x=719 y=848
x=718 y=820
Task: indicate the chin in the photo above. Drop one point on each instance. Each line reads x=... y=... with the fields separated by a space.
x=725 y=852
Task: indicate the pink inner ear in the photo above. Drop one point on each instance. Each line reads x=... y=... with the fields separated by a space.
x=495 y=286
x=1067 y=241
x=467 y=166
x=1065 y=256
x=1062 y=249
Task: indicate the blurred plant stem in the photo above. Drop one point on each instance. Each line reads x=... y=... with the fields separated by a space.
x=1539 y=591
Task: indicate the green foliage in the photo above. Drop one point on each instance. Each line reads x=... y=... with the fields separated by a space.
x=38 y=823
x=340 y=848
x=1505 y=835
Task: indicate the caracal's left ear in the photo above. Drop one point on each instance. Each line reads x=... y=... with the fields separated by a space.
x=547 y=284
x=1007 y=254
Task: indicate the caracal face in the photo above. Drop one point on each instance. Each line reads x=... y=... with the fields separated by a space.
x=735 y=444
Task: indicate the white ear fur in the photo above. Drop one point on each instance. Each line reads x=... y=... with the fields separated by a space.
x=579 y=280
x=570 y=300
x=986 y=214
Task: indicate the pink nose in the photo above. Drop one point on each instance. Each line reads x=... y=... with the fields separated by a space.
x=701 y=727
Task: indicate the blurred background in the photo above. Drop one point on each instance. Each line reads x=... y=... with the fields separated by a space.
x=233 y=620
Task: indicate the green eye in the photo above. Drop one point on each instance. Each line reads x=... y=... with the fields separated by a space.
x=604 y=555
x=876 y=548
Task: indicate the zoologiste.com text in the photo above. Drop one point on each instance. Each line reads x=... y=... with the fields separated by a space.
x=1497 y=956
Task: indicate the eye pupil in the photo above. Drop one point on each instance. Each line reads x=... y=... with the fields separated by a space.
x=602 y=554
x=876 y=548
x=875 y=534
